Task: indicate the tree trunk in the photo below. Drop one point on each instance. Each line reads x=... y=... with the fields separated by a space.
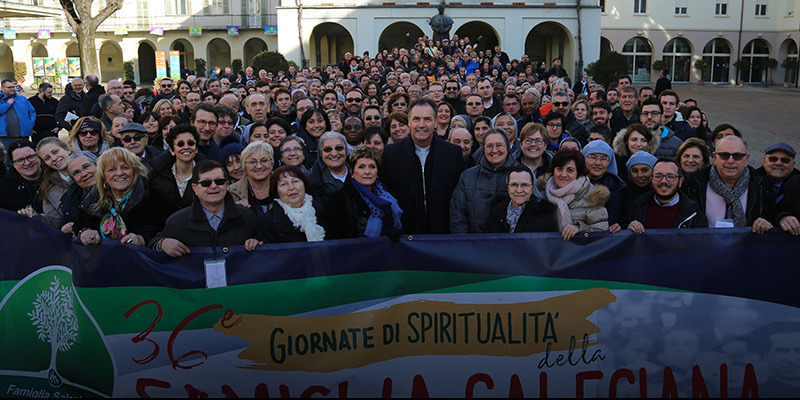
x=88 y=51
x=53 y=354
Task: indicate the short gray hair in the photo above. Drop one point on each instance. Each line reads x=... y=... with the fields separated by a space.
x=332 y=135
x=83 y=153
x=253 y=148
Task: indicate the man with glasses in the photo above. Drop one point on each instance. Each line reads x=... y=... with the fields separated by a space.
x=474 y=107
x=303 y=104
x=112 y=87
x=134 y=138
x=372 y=117
x=777 y=168
x=573 y=127
x=17 y=115
x=730 y=193
x=353 y=102
x=129 y=94
x=436 y=92
x=166 y=90
x=204 y=120
x=214 y=219
x=20 y=189
x=452 y=95
x=665 y=207
x=651 y=116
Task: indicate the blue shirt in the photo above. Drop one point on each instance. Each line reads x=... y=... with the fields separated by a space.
x=214 y=219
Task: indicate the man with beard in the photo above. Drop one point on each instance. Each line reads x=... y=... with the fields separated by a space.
x=45 y=106
x=665 y=207
x=452 y=95
x=601 y=114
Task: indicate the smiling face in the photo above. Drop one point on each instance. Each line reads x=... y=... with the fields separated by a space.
x=398 y=130
x=83 y=171
x=292 y=153
x=258 y=134
x=315 y=126
x=691 y=160
x=118 y=175
x=520 y=187
x=597 y=164
x=778 y=164
x=213 y=195
x=233 y=164
x=461 y=138
x=258 y=166
x=422 y=123
x=533 y=146
x=443 y=114
x=184 y=148
x=565 y=174
x=641 y=174
x=275 y=134
x=636 y=142
x=495 y=149
x=507 y=124
x=334 y=154
x=54 y=156
x=291 y=190
x=729 y=168
x=26 y=162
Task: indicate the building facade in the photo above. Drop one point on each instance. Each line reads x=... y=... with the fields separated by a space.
x=327 y=29
x=763 y=34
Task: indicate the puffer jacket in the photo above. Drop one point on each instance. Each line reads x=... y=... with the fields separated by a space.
x=476 y=191
x=587 y=209
x=669 y=144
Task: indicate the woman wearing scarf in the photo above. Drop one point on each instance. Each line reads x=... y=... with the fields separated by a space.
x=120 y=206
x=602 y=170
x=579 y=203
x=295 y=216
x=371 y=210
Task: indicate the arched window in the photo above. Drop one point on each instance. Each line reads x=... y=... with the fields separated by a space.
x=791 y=62
x=638 y=53
x=678 y=55
x=718 y=55
x=756 y=52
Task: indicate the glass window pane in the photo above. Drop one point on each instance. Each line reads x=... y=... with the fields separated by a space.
x=642 y=45
x=628 y=48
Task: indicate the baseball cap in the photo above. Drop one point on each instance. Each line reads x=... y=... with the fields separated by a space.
x=780 y=146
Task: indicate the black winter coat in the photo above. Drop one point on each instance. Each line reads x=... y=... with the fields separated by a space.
x=274 y=226
x=790 y=204
x=70 y=102
x=760 y=201
x=538 y=216
x=17 y=193
x=424 y=210
x=686 y=207
x=163 y=186
x=190 y=226
x=69 y=203
x=141 y=214
x=357 y=212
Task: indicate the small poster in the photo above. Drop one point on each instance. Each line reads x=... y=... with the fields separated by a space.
x=157 y=30
x=161 y=63
x=38 y=66
x=120 y=31
x=62 y=67
x=271 y=29
x=74 y=68
x=50 y=66
x=233 y=30
x=195 y=31
x=44 y=33
x=175 y=64
x=9 y=34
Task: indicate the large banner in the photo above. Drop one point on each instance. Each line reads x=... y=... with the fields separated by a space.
x=663 y=314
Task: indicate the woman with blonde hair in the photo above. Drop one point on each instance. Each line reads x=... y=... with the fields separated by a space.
x=120 y=206
x=89 y=134
x=163 y=108
x=253 y=190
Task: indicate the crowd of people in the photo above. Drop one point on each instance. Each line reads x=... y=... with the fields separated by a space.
x=439 y=138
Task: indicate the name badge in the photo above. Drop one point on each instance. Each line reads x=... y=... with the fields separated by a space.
x=215 y=273
x=724 y=223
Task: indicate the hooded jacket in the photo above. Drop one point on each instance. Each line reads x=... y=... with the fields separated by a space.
x=25 y=114
x=623 y=154
x=477 y=190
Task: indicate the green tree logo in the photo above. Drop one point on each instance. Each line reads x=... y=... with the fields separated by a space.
x=54 y=317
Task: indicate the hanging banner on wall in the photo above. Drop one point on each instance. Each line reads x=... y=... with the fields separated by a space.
x=50 y=66
x=62 y=67
x=158 y=31
x=9 y=34
x=121 y=31
x=44 y=34
x=233 y=30
x=38 y=66
x=271 y=29
x=74 y=66
x=161 y=63
x=175 y=64
x=195 y=31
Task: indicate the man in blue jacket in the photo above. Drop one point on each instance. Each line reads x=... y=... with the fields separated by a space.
x=17 y=115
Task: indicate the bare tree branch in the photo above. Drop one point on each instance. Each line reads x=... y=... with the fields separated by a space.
x=112 y=7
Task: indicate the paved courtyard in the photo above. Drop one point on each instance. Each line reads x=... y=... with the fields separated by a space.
x=763 y=115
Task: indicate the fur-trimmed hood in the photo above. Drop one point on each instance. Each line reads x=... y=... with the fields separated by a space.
x=620 y=149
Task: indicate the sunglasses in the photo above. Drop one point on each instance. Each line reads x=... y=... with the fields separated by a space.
x=774 y=159
x=166 y=86
x=372 y=118
x=128 y=139
x=736 y=156
x=474 y=104
x=182 y=143
x=399 y=104
x=560 y=104
x=328 y=149
x=218 y=182
x=354 y=100
x=355 y=127
x=91 y=132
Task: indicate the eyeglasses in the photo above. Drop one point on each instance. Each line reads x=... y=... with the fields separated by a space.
x=492 y=146
x=649 y=113
x=218 y=182
x=181 y=143
x=774 y=159
x=287 y=150
x=328 y=149
x=91 y=132
x=209 y=123
x=736 y=156
x=560 y=104
x=520 y=185
x=537 y=141
x=597 y=158
x=231 y=123
x=128 y=139
x=25 y=160
x=354 y=100
x=551 y=125
x=670 y=177
x=474 y=104
x=263 y=161
x=399 y=104
x=356 y=127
